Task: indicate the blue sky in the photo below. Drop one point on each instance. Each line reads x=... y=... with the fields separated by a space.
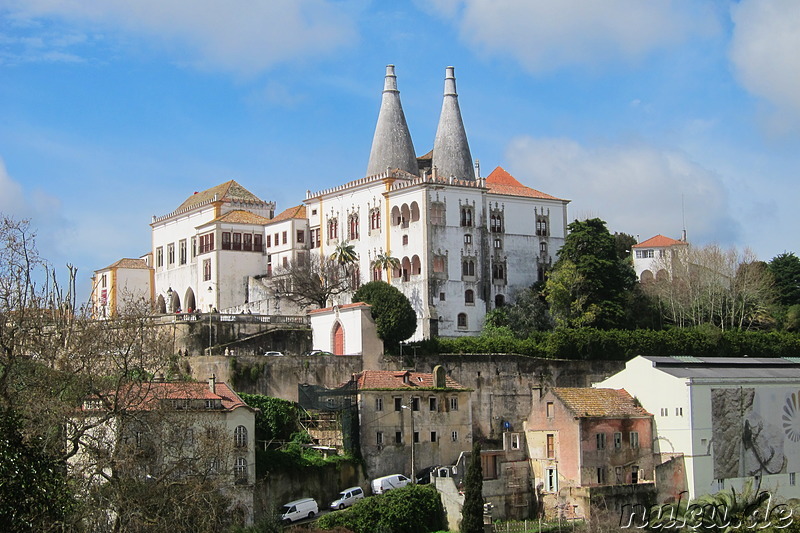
x=112 y=111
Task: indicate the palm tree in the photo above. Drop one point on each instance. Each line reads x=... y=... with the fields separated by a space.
x=385 y=262
x=345 y=254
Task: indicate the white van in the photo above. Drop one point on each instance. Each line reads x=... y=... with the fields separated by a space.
x=298 y=510
x=394 y=481
x=347 y=498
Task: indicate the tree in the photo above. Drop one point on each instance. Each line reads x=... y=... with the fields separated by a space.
x=785 y=269
x=714 y=286
x=526 y=314
x=386 y=263
x=345 y=254
x=53 y=357
x=588 y=283
x=393 y=314
x=623 y=243
x=472 y=511
x=314 y=280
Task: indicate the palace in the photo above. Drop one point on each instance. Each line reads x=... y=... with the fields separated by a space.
x=465 y=243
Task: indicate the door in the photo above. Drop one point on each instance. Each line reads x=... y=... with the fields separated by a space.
x=338 y=339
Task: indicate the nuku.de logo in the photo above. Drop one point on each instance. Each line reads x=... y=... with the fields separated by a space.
x=679 y=515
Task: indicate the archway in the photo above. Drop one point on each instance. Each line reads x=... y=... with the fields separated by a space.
x=416 y=266
x=646 y=276
x=189 y=300
x=176 y=303
x=499 y=300
x=414 y=211
x=161 y=305
x=338 y=339
x=662 y=275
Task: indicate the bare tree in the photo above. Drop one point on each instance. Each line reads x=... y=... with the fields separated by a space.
x=315 y=280
x=712 y=285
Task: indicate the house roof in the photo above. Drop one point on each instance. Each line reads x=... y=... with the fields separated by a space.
x=659 y=241
x=501 y=182
x=127 y=262
x=343 y=306
x=298 y=211
x=240 y=216
x=149 y=396
x=230 y=190
x=589 y=402
x=735 y=369
x=399 y=380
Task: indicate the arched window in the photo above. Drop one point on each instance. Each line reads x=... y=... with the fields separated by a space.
x=416 y=266
x=240 y=437
x=353 y=227
x=469 y=297
x=646 y=276
x=333 y=228
x=396 y=218
x=405 y=214
x=499 y=300
x=462 y=320
x=406 y=268
x=466 y=216
x=414 y=211
x=240 y=470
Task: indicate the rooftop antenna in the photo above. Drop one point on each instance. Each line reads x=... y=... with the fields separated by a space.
x=683 y=218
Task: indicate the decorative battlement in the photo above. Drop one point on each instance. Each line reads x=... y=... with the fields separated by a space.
x=479 y=183
x=235 y=203
x=389 y=174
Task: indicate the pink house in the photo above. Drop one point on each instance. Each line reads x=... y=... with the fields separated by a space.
x=584 y=438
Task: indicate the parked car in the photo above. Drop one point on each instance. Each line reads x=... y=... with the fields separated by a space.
x=317 y=352
x=394 y=481
x=347 y=498
x=273 y=354
x=298 y=510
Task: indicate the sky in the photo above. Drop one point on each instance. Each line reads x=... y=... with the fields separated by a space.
x=654 y=115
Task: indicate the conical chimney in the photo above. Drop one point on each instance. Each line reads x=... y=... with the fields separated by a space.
x=391 y=145
x=451 y=155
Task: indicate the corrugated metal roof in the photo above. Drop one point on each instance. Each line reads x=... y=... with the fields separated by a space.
x=733 y=368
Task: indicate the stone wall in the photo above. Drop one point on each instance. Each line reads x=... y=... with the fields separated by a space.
x=503 y=383
x=323 y=484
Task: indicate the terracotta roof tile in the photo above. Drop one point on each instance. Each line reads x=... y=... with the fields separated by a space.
x=658 y=241
x=501 y=182
x=589 y=402
x=230 y=190
x=239 y=216
x=344 y=306
x=150 y=396
x=392 y=379
x=127 y=263
x=298 y=211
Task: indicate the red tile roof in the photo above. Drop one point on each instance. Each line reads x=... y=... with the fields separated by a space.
x=230 y=190
x=589 y=402
x=344 y=306
x=298 y=211
x=150 y=396
x=400 y=380
x=501 y=182
x=127 y=263
x=239 y=216
x=659 y=241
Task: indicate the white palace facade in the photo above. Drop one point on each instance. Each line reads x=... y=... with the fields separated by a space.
x=465 y=243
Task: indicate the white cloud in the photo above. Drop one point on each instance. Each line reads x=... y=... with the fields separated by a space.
x=242 y=37
x=764 y=50
x=12 y=201
x=635 y=189
x=545 y=34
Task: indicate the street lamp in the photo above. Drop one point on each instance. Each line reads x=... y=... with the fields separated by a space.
x=413 y=470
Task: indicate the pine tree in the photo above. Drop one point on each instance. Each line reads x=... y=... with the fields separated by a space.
x=472 y=512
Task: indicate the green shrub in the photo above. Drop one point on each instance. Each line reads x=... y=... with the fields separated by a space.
x=411 y=509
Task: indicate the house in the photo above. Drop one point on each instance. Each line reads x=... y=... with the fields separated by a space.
x=347 y=329
x=465 y=243
x=409 y=421
x=583 y=440
x=654 y=258
x=170 y=431
x=121 y=284
x=726 y=419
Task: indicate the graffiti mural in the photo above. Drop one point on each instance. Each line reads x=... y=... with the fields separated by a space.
x=755 y=431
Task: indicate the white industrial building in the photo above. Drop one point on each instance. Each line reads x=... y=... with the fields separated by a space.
x=730 y=419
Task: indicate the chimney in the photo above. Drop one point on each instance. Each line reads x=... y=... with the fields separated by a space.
x=212 y=383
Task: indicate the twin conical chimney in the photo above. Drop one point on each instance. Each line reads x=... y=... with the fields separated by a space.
x=451 y=155
x=391 y=145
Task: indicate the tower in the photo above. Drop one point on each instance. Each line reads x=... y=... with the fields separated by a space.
x=391 y=145
x=451 y=155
